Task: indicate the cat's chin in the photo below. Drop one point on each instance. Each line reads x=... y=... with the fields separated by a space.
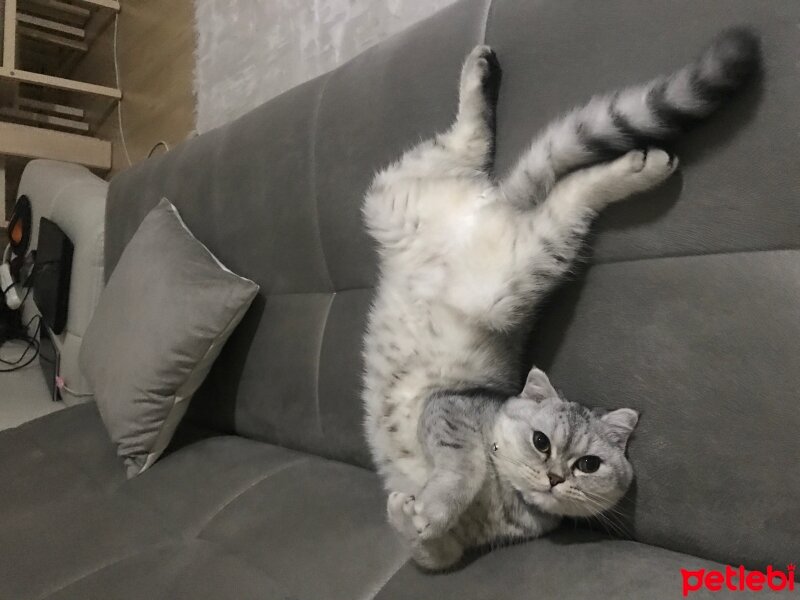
x=543 y=501
x=549 y=503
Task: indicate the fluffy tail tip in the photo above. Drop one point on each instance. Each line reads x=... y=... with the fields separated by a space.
x=738 y=51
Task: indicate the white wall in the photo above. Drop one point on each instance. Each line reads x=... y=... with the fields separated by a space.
x=249 y=51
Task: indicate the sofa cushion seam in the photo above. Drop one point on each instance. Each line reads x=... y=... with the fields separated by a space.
x=244 y=490
x=693 y=255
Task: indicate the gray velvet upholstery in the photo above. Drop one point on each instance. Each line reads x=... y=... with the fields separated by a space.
x=163 y=318
x=688 y=312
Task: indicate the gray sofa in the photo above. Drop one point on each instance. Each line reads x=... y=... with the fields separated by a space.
x=688 y=312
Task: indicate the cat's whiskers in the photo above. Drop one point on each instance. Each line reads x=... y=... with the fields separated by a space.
x=604 y=518
x=529 y=474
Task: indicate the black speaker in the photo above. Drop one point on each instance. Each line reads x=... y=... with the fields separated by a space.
x=19 y=233
x=51 y=274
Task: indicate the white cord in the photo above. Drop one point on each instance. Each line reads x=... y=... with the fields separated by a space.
x=156 y=145
x=119 y=87
x=63 y=387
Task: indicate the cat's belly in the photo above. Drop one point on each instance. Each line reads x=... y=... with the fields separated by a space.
x=415 y=346
x=392 y=428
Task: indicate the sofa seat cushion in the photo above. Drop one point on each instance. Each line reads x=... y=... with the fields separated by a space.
x=572 y=563
x=265 y=517
x=229 y=517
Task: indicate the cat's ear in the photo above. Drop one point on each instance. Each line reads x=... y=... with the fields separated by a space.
x=621 y=423
x=538 y=386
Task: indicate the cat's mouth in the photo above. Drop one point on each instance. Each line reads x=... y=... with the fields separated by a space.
x=546 y=500
x=538 y=499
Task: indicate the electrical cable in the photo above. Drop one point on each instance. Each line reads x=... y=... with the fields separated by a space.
x=32 y=341
x=32 y=344
x=156 y=145
x=119 y=87
x=63 y=387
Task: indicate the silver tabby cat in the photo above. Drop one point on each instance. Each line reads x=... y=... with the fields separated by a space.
x=466 y=457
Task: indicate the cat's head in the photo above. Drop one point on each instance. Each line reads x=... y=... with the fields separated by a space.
x=559 y=456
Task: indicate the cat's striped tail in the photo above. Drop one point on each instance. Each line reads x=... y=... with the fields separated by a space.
x=636 y=117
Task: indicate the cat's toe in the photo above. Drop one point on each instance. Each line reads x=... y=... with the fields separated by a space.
x=481 y=64
x=395 y=502
x=636 y=160
x=481 y=55
x=421 y=524
x=659 y=164
x=400 y=509
x=408 y=505
x=430 y=519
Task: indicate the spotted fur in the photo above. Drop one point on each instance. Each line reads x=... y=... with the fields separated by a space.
x=464 y=260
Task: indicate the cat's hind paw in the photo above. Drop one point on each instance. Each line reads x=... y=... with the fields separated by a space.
x=651 y=166
x=480 y=76
x=413 y=519
x=400 y=510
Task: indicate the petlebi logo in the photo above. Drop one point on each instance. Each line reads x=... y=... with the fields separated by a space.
x=738 y=580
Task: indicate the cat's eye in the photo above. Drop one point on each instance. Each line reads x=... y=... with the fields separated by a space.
x=588 y=464
x=541 y=442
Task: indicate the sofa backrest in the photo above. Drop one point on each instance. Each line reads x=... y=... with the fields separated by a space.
x=689 y=312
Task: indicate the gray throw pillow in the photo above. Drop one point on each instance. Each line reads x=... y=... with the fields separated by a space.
x=161 y=321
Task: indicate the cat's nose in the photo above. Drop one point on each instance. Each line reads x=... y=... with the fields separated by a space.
x=555 y=479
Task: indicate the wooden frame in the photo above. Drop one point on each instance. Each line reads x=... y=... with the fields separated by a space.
x=10 y=34
x=62 y=31
x=35 y=142
x=52 y=38
x=65 y=35
x=51 y=108
x=29 y=116
x=60 y=83
x=112 y=4
x=58 y=6
x=50 y=24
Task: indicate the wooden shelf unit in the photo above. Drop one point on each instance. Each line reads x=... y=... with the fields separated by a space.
x=43 y=110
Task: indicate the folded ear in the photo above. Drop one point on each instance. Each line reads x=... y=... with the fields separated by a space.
x=621 y=423
x=538 y=386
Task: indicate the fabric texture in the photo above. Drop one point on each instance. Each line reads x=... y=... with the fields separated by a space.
x=687 y=311
x=225 y=517
x=160 y=323
x=696 y=277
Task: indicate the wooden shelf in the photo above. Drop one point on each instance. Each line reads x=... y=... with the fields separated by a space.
x=44 y=113
x=54 y=8
x=36 y=142
x=112 y=4
x=18 y=114
x=60 y=83
x=51 y=107
x=52 y=25
x=51 y=38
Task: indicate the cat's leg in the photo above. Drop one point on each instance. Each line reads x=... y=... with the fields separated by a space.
x=543 y=241
x=436 y=553
x=555 y=229
x=451 y=437
x=517 y=256
x=465 y=149
x=596 y=187
x=470 y=140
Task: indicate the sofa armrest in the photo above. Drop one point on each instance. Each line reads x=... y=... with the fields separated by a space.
x=73 y=198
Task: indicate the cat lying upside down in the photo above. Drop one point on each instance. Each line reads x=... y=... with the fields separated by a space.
x=467 y=458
